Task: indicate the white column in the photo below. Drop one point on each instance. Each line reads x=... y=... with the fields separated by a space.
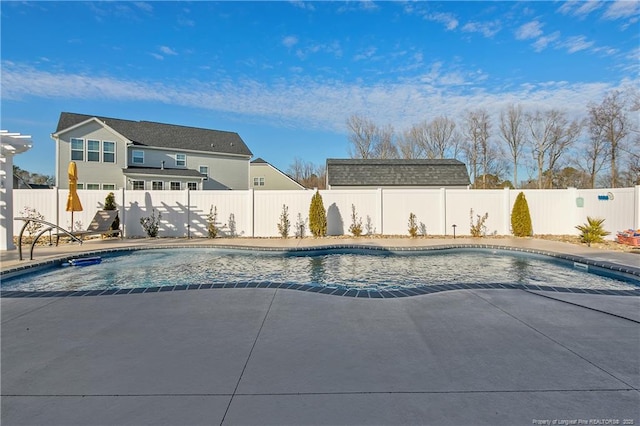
x=6 y=202
x=10 y=145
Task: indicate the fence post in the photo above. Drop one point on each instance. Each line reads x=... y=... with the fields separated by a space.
x=57 y=194
x=188 y=213
x=636 y=204
x=123 y=216
x=506 y=209
x=379 y=205
x=443 y=211
x=251 y=212
x=572 y=195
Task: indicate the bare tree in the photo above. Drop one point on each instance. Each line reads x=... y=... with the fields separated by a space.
x=609 y=122
x=592 y=158
x=441 y=136
x=551 y=135
x=512 y=131
x=408 y=147
x=362 y=133
x=384 y=146
x=476 y=132
x=307 y=174
x=368 y=140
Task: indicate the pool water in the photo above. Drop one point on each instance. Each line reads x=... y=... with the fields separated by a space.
x=169 y=267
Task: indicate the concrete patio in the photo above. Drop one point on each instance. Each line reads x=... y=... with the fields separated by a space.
x=273 y=356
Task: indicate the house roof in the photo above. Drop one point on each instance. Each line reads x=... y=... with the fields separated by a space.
x=422 y=173
x=156 y=171
x=171 y=136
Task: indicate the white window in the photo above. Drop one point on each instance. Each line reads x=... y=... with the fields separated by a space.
x=193 y=186
x=137 y=157
x=93 y=150
x=77 y=149
x=258 y=181
x=181 y=160
x=138 y=185
x=157 y=185
x=108 y=152
x=205 y=171
x=175 y=186
x=93 y=186
x=108 y=186
x=81 y=186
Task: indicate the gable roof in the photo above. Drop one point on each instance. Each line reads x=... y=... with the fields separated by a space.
x=262 y=162
x=160 y=135
x=422 y=173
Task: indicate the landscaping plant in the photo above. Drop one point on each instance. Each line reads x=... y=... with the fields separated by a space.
x=212 y=217
x=592 y=231
x=150 y=224
x=521 y=218
x=284 y=225
x=478 y=229
x=32 y=213
x=317 y=216
x=413 y=225
x=301 y=225
x=356 y=222
x=110 y=204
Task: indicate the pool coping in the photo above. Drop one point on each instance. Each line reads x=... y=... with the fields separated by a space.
x=611 y=267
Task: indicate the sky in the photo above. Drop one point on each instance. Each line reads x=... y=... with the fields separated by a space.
x=286 y=76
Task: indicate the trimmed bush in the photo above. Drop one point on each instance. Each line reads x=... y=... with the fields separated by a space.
x=592 y=232
x=521 y=218
x=317 y=216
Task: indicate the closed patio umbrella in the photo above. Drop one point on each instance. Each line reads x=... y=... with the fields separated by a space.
x=73 y=201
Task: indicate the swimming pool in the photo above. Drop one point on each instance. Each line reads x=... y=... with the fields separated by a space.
x=343 y=269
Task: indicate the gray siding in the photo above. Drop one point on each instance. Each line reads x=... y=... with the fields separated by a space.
x=89 y=171
x=273 y=178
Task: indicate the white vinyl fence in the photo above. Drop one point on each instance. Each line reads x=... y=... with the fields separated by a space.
x=383 y=211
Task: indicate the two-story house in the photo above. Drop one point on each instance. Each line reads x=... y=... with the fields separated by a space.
x=112 y=153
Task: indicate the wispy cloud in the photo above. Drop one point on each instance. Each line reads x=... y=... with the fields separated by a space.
x=487 y=29
x=622 y=9
x=576 y=44
x=366 y=53
x=308 y=103
x=447 y=19
x=543 y=42
x=290 y=41
x=580 y=8
x=167 y=50
x=529 y=30
x=333 y=48
x=308 y=5
x=157 y=56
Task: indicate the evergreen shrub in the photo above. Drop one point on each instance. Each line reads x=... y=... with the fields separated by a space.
x=521 y=218
x=317 y=216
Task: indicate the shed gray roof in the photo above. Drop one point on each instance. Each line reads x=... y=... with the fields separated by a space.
x=421 y=173
x=171 y=136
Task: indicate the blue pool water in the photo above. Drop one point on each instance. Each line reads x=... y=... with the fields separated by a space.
x=169 y=267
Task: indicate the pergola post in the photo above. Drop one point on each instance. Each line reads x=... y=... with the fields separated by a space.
x=10 y=145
